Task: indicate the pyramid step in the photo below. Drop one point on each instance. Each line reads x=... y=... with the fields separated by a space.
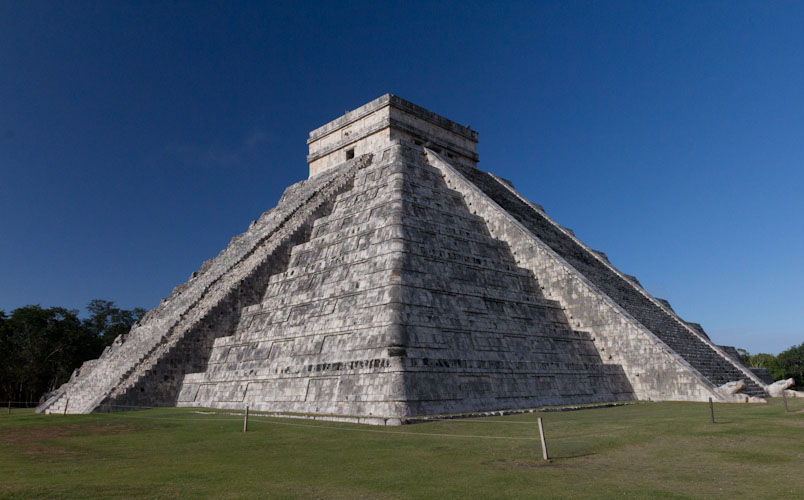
x=670 y=329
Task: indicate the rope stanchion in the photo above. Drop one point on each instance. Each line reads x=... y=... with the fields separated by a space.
x=12 y=406
x=544 y=443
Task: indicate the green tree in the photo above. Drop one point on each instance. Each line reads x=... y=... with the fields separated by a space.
x=7 y=361
x=769 y=361
x=108 y=321
x=40 y=348
x=791 y=362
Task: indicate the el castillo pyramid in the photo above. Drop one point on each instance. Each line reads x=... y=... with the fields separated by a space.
x=400 y=280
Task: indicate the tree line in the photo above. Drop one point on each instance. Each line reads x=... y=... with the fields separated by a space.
x=40 y=347
x=787 y=364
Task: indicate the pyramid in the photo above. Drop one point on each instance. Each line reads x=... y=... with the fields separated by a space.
x=399 y=280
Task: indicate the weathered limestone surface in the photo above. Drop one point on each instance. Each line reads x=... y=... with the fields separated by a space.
x=662 y=355
x=208 y=301
x=398 y=281
x=402 y=304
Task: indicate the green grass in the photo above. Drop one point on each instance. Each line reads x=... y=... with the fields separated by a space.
x=666 y=450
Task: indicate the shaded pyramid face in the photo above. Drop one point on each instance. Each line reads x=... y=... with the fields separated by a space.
x=400 y=280
x=401 y=303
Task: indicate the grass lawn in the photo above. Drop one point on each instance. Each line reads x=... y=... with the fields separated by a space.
x=667 y=450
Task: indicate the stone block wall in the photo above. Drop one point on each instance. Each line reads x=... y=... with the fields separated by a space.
x=372 y=126
x=654 y=369
x=400 y=304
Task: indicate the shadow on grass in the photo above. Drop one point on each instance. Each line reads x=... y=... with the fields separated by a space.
x=577 y=455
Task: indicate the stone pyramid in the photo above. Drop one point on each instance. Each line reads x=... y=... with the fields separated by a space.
x=399 y=280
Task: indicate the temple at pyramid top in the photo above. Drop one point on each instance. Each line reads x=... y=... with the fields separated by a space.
x=374 y=125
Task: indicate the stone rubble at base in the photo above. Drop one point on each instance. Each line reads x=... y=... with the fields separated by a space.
x=400 y=281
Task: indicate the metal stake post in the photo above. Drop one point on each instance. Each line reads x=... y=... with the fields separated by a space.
x=245 y=420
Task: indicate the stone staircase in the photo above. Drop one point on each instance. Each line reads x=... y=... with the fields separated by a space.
x=131 y=357
x=659 y=318
x=282 y=237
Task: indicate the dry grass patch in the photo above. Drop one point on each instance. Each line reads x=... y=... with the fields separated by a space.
x=45 y=439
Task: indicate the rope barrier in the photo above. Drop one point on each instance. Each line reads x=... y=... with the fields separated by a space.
x=177 y=419
x=233 y=417
x=322 y=426
x=404 y=433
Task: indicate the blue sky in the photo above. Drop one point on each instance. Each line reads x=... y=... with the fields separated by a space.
x=137 y=138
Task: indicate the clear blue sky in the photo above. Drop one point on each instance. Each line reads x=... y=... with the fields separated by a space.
x=136 y=140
